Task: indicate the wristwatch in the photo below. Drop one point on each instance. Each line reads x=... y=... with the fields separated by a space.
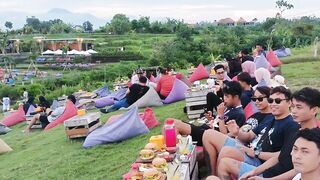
x=257 y=153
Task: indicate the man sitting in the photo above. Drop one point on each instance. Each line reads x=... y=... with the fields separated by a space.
x=305 y=107
x=271 y=138
x=306 y=155
x=49 y=116
x=230 y=109
x=135 y=92
x=244 y=79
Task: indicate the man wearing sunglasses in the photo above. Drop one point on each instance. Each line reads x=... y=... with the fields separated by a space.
x=271 y=138
x=214 y=141
x=304 y=109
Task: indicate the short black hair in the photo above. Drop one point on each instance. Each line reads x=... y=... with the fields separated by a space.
x=312 y=135
x=260 y=44
x=265 y=90
x=232 y=88
x=162 y=70
x=72 y=98
x=143 y=79
x=24 y=89
x=309 y=96
x=244 y=77
x=282 y=90
x=219 y=66
x=245 y=51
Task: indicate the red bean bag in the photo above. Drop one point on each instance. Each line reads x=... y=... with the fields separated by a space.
x=199 y=73
x=70 y=111
x=273 y=59
x=14 y=118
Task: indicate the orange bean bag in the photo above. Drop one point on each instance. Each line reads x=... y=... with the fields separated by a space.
x=15 y=117
x=273 y=59
x=199 y=73
x=70 y=111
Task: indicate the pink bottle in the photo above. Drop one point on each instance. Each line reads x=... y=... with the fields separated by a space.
x=170 y=133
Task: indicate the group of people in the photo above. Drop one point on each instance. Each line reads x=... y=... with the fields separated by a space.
x=140 y=83
x=276 y=142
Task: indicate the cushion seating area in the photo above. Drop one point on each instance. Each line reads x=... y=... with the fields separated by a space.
x=273 y=59
x=177 y=92
x=69 y=112
x=127 y=126
x=4 y=147
x=14 y=118
x=150 y=99
x=199 y=73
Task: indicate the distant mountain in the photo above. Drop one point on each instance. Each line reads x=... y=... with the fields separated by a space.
x=19 y=18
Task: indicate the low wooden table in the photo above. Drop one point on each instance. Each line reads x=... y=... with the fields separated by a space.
x=195 y=102
x=81 y=126
x=189 y=168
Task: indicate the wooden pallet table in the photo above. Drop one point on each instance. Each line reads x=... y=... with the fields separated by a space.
x=81 y=126
x=195 y=102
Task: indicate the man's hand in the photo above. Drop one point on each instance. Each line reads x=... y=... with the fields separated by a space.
x=233 y=128
x=220 y=109
x=247 y=175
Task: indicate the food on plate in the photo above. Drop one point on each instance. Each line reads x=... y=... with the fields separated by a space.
x=159 y=163
x=137 y=175
x=152 y=174
x=146 y=154
x=151 y=146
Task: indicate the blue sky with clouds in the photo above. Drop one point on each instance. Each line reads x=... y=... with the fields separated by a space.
x=190 y=10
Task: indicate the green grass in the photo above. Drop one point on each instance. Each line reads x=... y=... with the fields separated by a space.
x=50 y=155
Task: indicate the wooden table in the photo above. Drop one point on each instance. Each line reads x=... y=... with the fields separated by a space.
x=195 y=102
x=189 y=168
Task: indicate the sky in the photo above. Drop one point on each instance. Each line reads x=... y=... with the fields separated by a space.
x=190 y=11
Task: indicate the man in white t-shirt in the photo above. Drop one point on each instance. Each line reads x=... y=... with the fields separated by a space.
x=25 y=95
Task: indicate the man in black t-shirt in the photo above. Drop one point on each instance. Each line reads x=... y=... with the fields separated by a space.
x=135 y=92
x=233 y=111
x=270 y=139
x=305 y=104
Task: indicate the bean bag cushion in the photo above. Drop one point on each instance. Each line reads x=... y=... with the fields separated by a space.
x=69 y=112
x=102 y=92
x=14 y=118
x=55 y=105
x=105 y=101
x=4 y=147
x=199 y=73
x=273 y=59
x=30 y=110
x=283 y=52
x=250 y=109
x=262 y=62
x=127 y=126
x=147 y=117
x=177 y=92
x=4 y=129
x=118 y=95
x=184 y=79
x=150 y=99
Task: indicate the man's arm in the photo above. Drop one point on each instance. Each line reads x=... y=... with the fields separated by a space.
x=246 y=136
x=287 y=175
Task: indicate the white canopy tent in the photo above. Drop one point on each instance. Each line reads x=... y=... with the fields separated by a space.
x=91 y=51
x=58 y=52
x=48 y=52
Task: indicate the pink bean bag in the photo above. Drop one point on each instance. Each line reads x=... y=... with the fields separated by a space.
x=15 y=117
x=70 y=111
x=273 y=59
x=199 y=73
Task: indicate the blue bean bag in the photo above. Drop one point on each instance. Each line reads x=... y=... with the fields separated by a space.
x=103 y=102
x=102 y=92
x=177 y=92
x=127 y=126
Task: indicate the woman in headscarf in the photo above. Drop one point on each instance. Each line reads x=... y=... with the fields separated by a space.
x=250 y=68
x=263 y=77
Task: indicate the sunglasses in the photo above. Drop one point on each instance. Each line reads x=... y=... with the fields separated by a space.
x=260 y=99
x=277 y=100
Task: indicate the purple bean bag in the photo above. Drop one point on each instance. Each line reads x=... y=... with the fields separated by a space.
x=127 y=126
x=102 y=92
x=177 y=92
x=118 y=95
x=30 y=110
x=103 y=102
x=262 y=62
x=283 y=52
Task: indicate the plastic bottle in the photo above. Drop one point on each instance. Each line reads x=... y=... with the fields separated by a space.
x=170 y=133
